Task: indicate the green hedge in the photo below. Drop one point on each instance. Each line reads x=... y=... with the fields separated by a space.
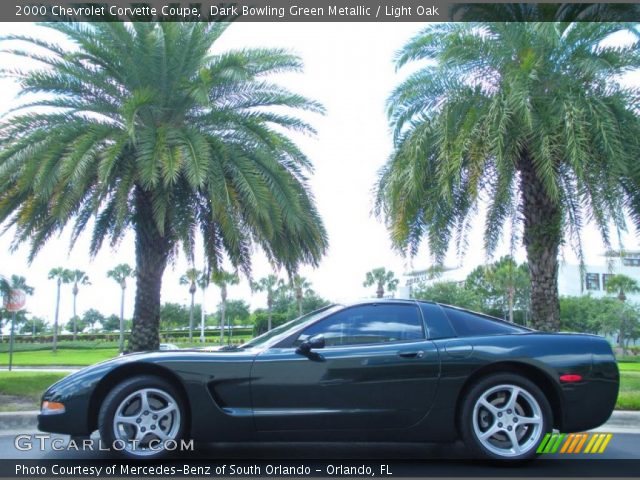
x=111 y=337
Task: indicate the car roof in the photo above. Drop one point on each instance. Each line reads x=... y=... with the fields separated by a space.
x=384 y=301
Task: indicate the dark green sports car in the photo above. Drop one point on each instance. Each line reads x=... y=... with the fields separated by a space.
x=393 y=370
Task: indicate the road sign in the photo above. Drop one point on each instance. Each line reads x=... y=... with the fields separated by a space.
x=15 y=301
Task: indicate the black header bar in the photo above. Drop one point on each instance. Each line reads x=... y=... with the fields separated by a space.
x=313 y=11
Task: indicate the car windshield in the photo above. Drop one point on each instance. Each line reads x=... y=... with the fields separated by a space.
x=283 y=330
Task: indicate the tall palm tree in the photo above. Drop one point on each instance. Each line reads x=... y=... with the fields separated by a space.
x=191 y=278
x=223 y=279
x=146 y=129
x=300 y=286
x=120 y=273
x=382 y=279
x=267 y=284
x=60 y=275
x=203 y=282
x=78 y=277
x=527 y=116
x=621 y=285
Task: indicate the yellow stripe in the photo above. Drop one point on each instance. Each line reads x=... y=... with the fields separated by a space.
x=605 y=443
x=566 y=443
x=596 y=446
x=591 y=442
x=576 y=439
x=584 y=439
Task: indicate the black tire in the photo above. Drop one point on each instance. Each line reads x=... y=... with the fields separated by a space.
x=472 y=420
x=157 y=390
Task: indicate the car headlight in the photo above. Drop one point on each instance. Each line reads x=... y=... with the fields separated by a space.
x=52 y=408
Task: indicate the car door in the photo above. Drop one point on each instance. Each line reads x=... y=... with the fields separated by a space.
x=377 y=370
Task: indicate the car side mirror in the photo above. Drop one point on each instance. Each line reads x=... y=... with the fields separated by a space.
x=315 y=342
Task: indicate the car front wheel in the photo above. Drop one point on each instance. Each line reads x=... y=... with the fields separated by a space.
x=142 y=417
x=505 y=417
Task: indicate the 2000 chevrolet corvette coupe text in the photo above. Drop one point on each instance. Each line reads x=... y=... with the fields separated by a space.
x=394 y=370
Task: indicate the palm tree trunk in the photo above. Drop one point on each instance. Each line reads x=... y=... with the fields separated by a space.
x=121 y=319
x=75 y=322
x=193 y=295
x=269 y=312
x=511 y=294
x=380 y=291
x=202 y=317
x=542 y=236
x=55 y=320
x=223 y=307
x=299 y=299
x=152 y=252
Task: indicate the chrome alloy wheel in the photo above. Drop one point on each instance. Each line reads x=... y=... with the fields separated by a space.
x=507 y=420
x=145 y=420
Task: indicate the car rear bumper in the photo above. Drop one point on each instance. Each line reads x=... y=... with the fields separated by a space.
x=589 y=404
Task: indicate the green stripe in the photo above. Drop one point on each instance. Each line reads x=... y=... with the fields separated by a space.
x=543 y=443
x=550 y=443
x=557 y=445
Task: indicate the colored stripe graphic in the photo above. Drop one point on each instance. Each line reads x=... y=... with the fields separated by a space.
x=594 y=437
x=582 y=441
x=574 y=442
x=570 y=439
x=606 y=442
x=555 y=443
x=546 y=438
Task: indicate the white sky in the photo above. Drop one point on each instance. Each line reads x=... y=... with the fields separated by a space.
x=348 y=67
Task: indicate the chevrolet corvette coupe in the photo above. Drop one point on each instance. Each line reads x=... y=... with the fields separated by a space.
x=393 y=370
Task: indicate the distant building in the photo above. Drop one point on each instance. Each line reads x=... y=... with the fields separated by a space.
x=594 y=280
x=570 y=280
x=429 y=276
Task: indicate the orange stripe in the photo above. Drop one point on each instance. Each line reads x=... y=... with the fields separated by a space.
x=584 y=439
x=567 y=442
x=576 y=439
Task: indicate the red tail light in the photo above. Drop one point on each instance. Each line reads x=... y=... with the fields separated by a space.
x=570 y=378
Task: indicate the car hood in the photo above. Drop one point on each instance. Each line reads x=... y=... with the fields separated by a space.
x=86 y=378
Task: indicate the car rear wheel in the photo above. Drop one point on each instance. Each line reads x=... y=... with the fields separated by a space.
x=505 y=417
x=142 y=417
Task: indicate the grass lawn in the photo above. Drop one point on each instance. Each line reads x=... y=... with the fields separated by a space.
x=629 y=367
x=22 y=390
x=629 y=396
x=77 y=357
x=71 y=357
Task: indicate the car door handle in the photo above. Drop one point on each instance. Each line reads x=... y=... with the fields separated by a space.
x=418 y=354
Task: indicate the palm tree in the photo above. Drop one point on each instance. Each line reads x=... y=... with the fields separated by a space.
x=78 y=277
x=528 y=116
x=60 y=275
x=120 y=273
x=191 y=278
x=267 y=284
x=300 y=286
x=382 y=279
x=621 y=285
x=145 y=129
x=223 y=279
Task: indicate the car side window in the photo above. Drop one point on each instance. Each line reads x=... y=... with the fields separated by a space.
x=368 y=324
x=468 y=324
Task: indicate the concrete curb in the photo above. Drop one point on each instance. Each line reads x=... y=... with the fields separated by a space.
x=11 y=421
x=22 y=422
